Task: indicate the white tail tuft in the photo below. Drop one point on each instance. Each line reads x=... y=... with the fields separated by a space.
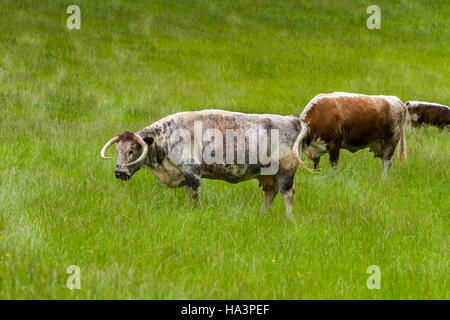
x=297 y=148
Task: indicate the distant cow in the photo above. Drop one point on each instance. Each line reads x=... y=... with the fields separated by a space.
x=233 y=147
x=428 y=113
x=353 y=122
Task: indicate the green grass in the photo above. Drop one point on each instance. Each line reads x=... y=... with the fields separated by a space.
x=64 y=93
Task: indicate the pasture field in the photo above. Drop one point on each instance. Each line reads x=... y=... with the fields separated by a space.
x=64 y=93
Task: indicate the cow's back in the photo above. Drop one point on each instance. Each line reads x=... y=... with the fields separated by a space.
x=221 y=120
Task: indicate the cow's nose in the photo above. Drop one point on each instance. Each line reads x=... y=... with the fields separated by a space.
x=121 y=175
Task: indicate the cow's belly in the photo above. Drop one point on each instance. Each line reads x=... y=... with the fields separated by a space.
x=233 y=173
x=353 y=144
x=318 y=147
x=354 y=148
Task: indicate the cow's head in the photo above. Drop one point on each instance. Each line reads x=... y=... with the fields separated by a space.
x=315 y=149
x=413 y=114
x=131 y=153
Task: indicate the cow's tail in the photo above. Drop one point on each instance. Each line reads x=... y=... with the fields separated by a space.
x=402 y=147
x=297 y=148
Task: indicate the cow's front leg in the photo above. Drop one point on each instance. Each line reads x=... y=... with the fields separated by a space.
x=333 y=149
x=193 y=184
x=193 y=193
x=316 y=164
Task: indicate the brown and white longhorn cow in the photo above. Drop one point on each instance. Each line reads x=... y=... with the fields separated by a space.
x=353 y=121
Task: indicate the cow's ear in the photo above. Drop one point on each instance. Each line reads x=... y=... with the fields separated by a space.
x=149 y=140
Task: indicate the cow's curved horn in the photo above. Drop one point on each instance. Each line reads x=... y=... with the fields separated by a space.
x=106 y=146
x=144 y=150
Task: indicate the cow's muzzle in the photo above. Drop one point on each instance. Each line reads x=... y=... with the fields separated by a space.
x=122 y=175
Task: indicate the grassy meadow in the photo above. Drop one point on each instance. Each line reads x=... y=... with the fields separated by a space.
x=64 y=93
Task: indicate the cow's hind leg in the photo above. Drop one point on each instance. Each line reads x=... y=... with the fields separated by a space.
x=287 y=189
x=269 y=196
x=387 y=164
x=387 y=157
x=270 y=189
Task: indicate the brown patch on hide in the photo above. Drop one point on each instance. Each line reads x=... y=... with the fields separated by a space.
x=267 y=182
x=126 y=136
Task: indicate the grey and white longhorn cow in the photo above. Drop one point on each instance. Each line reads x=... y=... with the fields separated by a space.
x=182 y=148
